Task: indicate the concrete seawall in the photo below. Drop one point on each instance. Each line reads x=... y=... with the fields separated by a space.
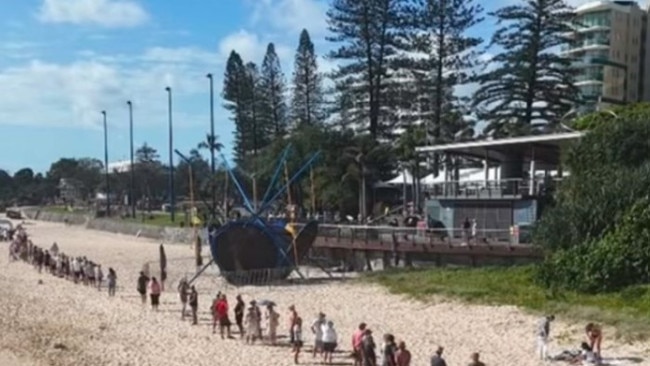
x=163 y=234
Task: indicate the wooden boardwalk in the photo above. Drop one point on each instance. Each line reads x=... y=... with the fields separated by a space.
x=423 y=243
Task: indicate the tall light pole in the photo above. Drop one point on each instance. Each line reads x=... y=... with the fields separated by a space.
x=212 y=143
x=172 y=197
x=132 y=170
x=108 y=189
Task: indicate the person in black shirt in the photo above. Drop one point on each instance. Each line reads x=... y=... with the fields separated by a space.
x=368 y=349
x=142 y=287
x=239 y=315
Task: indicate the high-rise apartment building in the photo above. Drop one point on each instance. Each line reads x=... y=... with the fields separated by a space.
x=609 y=47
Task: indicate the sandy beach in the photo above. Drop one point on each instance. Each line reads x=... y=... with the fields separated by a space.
x=60 y=323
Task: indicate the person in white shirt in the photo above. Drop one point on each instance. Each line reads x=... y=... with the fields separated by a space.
x=317 y=330
x=543 y=333
x=330 y=340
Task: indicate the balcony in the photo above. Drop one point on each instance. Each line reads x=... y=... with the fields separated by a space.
x=491 y=189
x=592 y=77
x=585 y=45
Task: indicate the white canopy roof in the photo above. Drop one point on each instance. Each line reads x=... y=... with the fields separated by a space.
x=400 y=179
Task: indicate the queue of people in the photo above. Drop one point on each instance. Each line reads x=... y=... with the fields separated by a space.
x=57 y=263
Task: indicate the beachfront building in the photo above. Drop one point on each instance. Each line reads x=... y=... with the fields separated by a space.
x=510 y=190
x=609 y=47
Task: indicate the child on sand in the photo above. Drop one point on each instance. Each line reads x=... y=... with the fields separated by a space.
x=154 y=293
x=594 y=337
x=368 y=349
x=296 y=335
x=194 y=304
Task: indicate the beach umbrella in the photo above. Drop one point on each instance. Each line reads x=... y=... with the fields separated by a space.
x=163 y=265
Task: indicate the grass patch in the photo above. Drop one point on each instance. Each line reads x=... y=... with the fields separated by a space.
x=62 y=210
x=628 y=310
x=164 y=220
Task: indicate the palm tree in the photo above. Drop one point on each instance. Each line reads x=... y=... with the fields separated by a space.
x=212 y=144
x=413 y=137
x=362 y=156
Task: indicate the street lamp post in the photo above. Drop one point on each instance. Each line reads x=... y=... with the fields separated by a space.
x=132 y=169
x=212 y=143
x=108 y=189
x=172 y=197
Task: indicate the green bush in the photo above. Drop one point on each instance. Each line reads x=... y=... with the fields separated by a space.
x=589 y=233
x=620 y=259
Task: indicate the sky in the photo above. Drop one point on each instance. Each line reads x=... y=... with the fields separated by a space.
x=64 y=61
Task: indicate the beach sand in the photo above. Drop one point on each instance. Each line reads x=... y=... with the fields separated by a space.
x=60 y=323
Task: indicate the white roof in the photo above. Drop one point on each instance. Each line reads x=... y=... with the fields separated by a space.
x=119 y=166
x=403 y=176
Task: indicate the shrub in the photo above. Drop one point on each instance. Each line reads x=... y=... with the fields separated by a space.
x=620 y=259
x=589 y=233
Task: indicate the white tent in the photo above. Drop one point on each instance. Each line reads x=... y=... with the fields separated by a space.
x=399 y=180
x=477 y=175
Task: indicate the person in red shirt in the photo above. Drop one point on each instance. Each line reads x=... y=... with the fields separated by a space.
x=356 y=344
x=221 y=311
x=403 y=356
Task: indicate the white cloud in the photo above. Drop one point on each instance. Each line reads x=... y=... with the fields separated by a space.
x=52 y=94
x=291 y=15
x=105 y=13
x=252 y=47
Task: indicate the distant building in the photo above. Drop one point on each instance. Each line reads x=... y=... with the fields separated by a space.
x=609 y=47
x=70 y=190
x=122 y=166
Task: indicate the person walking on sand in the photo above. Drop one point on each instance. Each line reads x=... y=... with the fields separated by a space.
x=239 y=315
x=543 y=333
x=330 y=340
x=402 y=356
x=317 y=331
x=194 y=304
x=154 y=293
x=111 y=282
x=273 y=318
x=296 y=335
x=142 y=287
x=183 y=292
x=436 y=359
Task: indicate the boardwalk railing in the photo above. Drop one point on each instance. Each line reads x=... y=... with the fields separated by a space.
x=425 y=235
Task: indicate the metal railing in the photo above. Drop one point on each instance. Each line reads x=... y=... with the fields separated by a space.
x=423 y=235
x=504 y=188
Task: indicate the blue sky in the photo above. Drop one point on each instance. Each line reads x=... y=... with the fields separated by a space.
x=64 y=61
